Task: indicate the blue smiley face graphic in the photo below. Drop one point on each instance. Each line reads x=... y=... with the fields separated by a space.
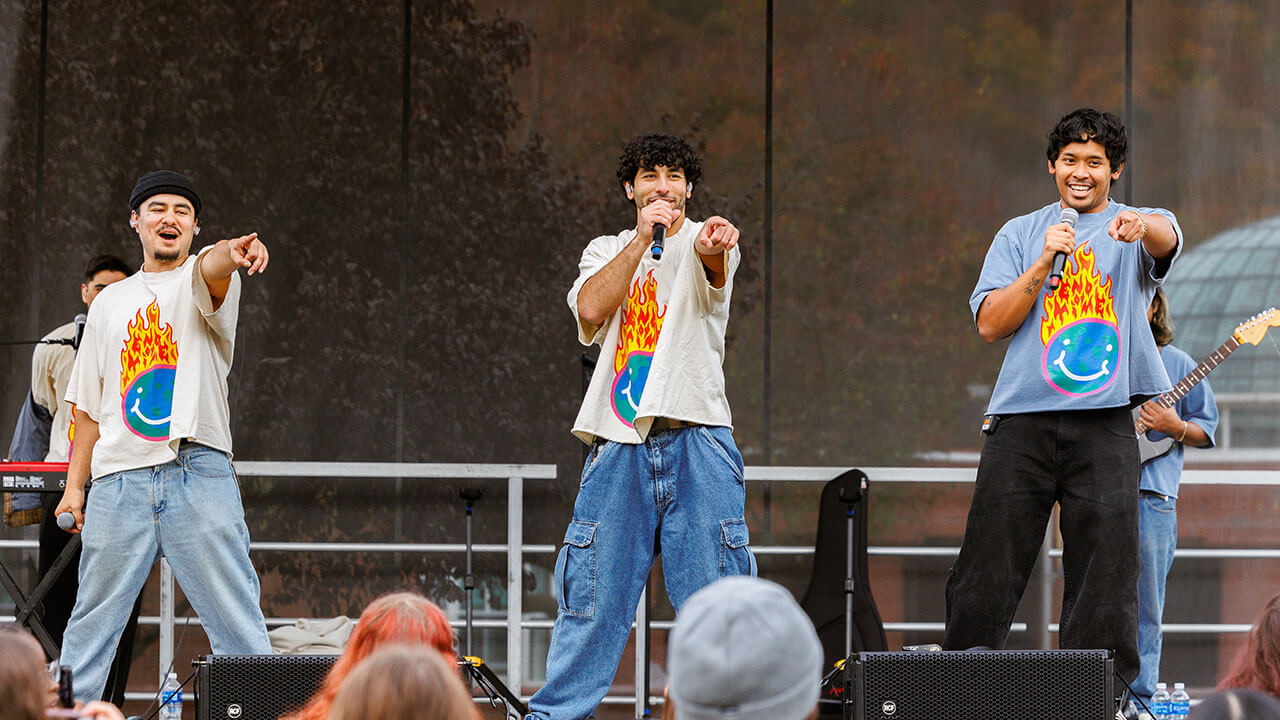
x=628 y=386
x=148 y=403
x=1082 y=357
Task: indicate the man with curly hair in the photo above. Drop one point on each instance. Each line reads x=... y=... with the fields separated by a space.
x=663 y=475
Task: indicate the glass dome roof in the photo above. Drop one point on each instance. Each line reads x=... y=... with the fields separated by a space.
x=1216 y=287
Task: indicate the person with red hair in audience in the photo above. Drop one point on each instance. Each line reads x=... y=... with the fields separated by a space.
x=402 y=617
x=1257 y=664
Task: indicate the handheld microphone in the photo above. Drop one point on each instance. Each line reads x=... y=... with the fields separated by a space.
x=81 y=319
x=1068 y=216
x=66 y=521
x=66 y=695
x=659 y=234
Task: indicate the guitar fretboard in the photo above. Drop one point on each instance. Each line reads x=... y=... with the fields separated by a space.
x=1197 y=374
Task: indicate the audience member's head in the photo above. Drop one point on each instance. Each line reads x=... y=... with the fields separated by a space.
x=24 y=683
x=744 y=644
x=26 y=690
x=1257 y=664
x=403 y=617
x=1238 y=704
x=402 y=681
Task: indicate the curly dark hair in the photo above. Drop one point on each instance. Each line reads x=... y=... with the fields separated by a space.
x=1089 y=124
x=650 y=151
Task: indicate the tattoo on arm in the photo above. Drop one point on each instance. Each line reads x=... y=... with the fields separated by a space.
x=1033 y=287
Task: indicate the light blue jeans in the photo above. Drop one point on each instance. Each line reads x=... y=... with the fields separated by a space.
x=681 y=493
x=1157 y=539
x=189 y=511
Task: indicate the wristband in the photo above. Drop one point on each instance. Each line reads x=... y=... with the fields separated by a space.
x=1184 y=431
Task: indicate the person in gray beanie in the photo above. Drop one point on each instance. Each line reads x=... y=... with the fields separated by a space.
x=743 y=649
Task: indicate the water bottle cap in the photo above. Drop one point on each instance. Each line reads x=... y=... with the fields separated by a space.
x=1179 y=686
x=1161 y=685
x=173 y=675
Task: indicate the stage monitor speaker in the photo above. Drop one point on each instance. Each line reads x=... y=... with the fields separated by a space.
x=257 y=687
x=984 y=685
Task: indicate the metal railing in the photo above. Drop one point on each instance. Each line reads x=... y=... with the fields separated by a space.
x=515 y=549
x=1228 y=402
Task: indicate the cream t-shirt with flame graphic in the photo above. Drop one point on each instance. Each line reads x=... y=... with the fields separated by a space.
x=662 y=351
x=152 y=367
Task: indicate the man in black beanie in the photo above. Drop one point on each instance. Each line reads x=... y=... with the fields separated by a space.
x=152 y=428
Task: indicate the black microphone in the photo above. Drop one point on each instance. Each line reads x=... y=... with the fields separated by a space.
x=66 y=695
x=81 y=319
x=659 y=233
x=1068 y=216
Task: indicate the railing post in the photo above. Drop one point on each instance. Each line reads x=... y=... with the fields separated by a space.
x=166 y=618
x=1047 y=577
x=515 y=581
x=642 y=654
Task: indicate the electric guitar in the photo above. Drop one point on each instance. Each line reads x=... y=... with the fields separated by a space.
x=1250 y=331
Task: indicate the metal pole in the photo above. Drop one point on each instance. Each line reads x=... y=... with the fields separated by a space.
x=1047 y=577
x=1128 y=95
x=767 y=350
x=468 y=583
x=848 y=585
x=642 y=655
x=515 y=582
x=166 y=619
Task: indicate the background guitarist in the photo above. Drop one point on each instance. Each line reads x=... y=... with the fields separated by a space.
x=1191 y=421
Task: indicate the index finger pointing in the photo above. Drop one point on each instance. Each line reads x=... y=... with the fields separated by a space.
x=260 y=258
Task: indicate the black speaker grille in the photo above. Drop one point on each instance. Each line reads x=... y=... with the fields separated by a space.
x=258 y=687
x=1041 y=684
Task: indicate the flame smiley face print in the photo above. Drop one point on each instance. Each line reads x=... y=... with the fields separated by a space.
x=148 y=365
x=638 y=336
x=1079 y=331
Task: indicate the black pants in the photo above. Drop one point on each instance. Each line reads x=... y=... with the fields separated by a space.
x=1087 y=462
x=61 y=599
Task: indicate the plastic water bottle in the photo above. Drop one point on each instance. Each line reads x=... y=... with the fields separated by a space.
x=171 y=698
x=1160 y=702
x=1179 y=702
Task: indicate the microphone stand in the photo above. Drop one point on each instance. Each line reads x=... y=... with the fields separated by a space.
x=850 y=498
x=474 y=668
x=469 y=495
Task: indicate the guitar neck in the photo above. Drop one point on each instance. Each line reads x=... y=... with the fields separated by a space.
x=1199 y=373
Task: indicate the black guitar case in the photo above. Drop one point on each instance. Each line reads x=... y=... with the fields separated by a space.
x=824 y=600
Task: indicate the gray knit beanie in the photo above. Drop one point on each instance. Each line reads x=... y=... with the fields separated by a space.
x=742 y=649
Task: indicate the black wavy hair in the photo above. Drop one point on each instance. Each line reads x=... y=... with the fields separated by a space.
x=650 y=151
x=1089 y=124
x=98 y=263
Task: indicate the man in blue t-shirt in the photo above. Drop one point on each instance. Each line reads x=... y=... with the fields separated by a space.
x=1190 y=422
x=1059 y=428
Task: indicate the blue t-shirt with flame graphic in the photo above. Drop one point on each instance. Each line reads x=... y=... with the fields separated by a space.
x=1088 y=345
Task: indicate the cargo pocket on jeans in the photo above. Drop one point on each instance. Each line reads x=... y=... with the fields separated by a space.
x=576 y=570
x=736 y=557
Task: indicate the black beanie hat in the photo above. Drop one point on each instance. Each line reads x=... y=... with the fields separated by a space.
x=164 y=181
